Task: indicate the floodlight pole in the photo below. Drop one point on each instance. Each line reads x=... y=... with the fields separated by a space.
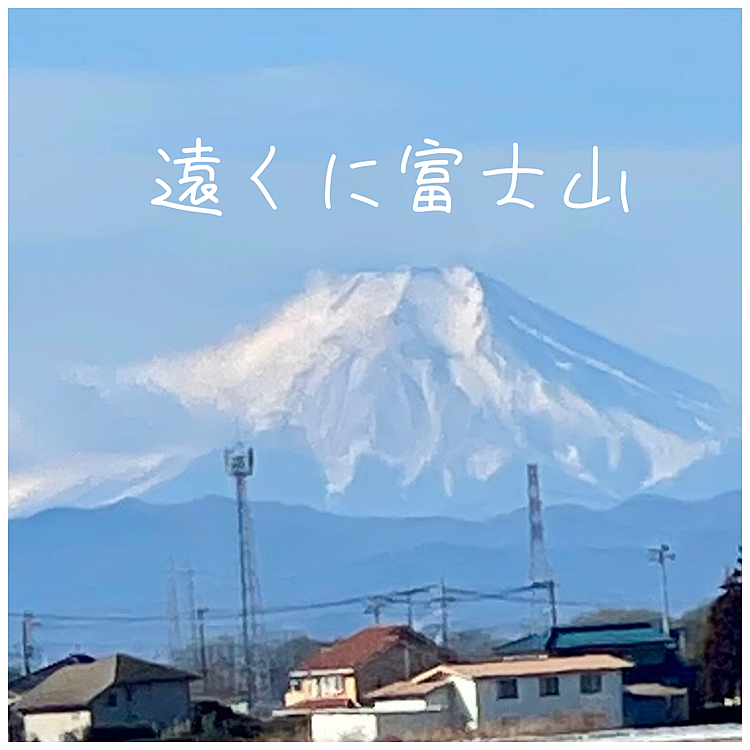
x=239 y=465
x=661 y=555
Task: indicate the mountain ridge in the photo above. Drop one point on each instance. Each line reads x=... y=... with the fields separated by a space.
x=418 y=391
x=112 y=561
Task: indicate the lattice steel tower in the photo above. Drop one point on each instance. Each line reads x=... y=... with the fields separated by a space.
x=238 y=462
x=540 y=571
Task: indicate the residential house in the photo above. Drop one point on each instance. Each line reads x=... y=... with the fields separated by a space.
x=20 y=685
x=342 y=674
x=659 y=676
x=118 y=697
x=654 y=653
x=533 y=694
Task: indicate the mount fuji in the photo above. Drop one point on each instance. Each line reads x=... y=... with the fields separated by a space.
x=422 y=392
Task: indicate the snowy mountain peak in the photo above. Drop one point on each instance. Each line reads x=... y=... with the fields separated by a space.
x=447 y=372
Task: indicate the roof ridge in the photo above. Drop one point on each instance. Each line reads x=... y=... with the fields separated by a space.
x=360 y=647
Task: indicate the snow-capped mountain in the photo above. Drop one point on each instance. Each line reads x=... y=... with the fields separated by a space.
x=427 y=391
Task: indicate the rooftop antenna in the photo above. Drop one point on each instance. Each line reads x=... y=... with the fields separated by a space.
x=238 y=462
x=540 y=571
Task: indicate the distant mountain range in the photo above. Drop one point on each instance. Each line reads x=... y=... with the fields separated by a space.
x=414 y=392
x=110 y=562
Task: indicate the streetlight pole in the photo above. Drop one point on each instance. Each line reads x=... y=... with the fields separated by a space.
x=661 y=555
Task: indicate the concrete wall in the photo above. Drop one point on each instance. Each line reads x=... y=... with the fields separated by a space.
x=607 y=704
x=54 y=726
x=369 y=725
x=411 y=725
x=467 y=704
x=145 y=704
x=349 y=726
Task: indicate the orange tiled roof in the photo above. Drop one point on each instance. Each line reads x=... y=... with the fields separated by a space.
x=361 y=647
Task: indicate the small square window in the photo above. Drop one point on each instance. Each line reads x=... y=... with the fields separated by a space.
x=591 y=683
x=549 y=686
x=507 y=689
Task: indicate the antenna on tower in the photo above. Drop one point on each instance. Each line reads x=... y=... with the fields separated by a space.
x=540 y=571
x=238 y=462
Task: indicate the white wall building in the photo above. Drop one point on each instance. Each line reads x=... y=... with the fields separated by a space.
x=530 y=694
x=118 y=694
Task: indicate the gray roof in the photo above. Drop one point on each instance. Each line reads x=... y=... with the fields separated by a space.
x=654 y=690
x=75 y=686
x=24 y=683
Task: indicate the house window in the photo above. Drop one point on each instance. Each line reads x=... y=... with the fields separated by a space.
x=295 y=685
x=549 y=686
x=591 y=683
x=507 y=689
x=112 y=699
x=332 y=685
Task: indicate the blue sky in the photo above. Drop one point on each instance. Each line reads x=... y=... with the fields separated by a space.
x=98 y=275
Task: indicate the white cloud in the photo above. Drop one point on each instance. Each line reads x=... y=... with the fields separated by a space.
x=87 y=480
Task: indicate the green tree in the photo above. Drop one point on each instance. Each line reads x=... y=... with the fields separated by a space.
x=694 y=625
x=722 y=658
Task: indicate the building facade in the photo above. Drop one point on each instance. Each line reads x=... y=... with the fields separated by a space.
x=538 y=695
x=583 y=690
x=342 y=674
x=119 y=697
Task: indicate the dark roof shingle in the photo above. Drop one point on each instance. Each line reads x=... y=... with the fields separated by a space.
x=26 y=682
x=76 y=685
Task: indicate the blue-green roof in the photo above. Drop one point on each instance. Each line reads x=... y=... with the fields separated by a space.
x=609 y=637
x=536 y=643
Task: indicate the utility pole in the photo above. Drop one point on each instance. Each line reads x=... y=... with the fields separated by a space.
x=661 y=555
x=200 y=614
x=407 y=596
x=174 y=638
x=443 y=614
x=375 y=606
x=552 y=602
x=189 y=574
x=27 y=647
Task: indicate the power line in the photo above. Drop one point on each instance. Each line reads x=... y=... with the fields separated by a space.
x=454 y=594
